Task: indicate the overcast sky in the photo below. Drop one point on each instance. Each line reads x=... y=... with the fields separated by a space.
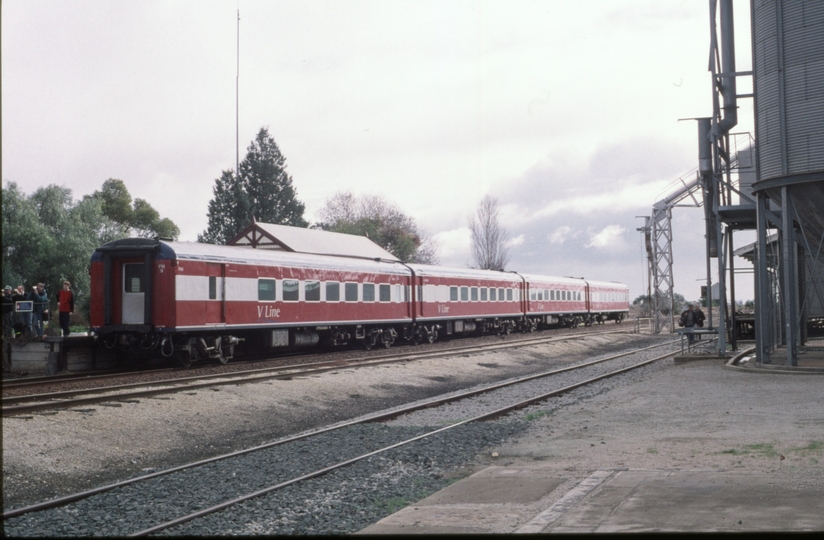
x=567 y=112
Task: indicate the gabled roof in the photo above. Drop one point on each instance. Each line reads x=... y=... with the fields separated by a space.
x=300 y=240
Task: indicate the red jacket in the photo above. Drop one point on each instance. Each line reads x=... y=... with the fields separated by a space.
x=65 y=301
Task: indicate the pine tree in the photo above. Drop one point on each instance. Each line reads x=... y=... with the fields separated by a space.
x=262 y=190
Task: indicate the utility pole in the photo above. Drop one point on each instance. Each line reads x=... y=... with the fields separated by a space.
x=237 y=100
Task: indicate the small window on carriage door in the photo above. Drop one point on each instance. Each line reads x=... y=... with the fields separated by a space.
x=212 y=287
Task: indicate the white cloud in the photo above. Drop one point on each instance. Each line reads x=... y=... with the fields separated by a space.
x=560 y=235
x=610 y=236
x=455 y=246
x=517 y=241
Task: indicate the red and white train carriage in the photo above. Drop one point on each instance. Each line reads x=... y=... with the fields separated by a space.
x=193 y=300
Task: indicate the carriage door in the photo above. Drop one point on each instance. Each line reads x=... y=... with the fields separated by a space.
x=134 y=291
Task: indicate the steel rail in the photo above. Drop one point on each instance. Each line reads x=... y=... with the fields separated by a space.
x=13 y=384
x=10 y=407
x=382 y=416
x=26 y=382
x=90 y=377
x=320 y=472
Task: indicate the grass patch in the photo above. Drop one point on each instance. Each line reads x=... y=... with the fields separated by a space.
x=814 y=446
x=763 y=449
x=534 y=416
x=394 y=504
x=652 y=450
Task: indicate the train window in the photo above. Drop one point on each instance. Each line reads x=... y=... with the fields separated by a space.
x=351 y=292
x=385 y=292
x=453 y=294
x=133 y=279
x=368 y=292
x=291 y=290
x=332 y=291
x=464 y=294
x=532 y=294
x=474 y=296
x=579 y=296
x=552 y=294
x=311 y=291
x=483 y=294
x=266 y=289
x=212 y=287
x=493 y=295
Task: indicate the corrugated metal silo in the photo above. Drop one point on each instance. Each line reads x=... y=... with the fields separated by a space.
x=788 y=39
x=788 y=72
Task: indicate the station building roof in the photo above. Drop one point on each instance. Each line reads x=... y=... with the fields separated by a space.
x=312 y=241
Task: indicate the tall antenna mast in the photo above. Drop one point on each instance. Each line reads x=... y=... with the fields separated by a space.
x=237 y=99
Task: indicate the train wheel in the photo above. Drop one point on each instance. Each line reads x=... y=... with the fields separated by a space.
x=183 y=358
x=369 y=341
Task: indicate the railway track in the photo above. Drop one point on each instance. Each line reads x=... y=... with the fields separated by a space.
x=164 y=509
x=13 y=387
x=34 y=402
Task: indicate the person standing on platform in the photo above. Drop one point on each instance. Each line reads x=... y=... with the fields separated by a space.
x=699 y=316
x=41 y=307
x=8 y=314
x=20 y=295
x=65 y=303
x=689 y=319
x=8 y=327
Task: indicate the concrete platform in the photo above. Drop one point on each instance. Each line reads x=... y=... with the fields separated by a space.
x=810 y=361
x=540 y=500
x=56 y=353
x=690 y=447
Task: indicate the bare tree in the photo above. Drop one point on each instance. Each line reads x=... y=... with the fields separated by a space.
x=488 y=236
